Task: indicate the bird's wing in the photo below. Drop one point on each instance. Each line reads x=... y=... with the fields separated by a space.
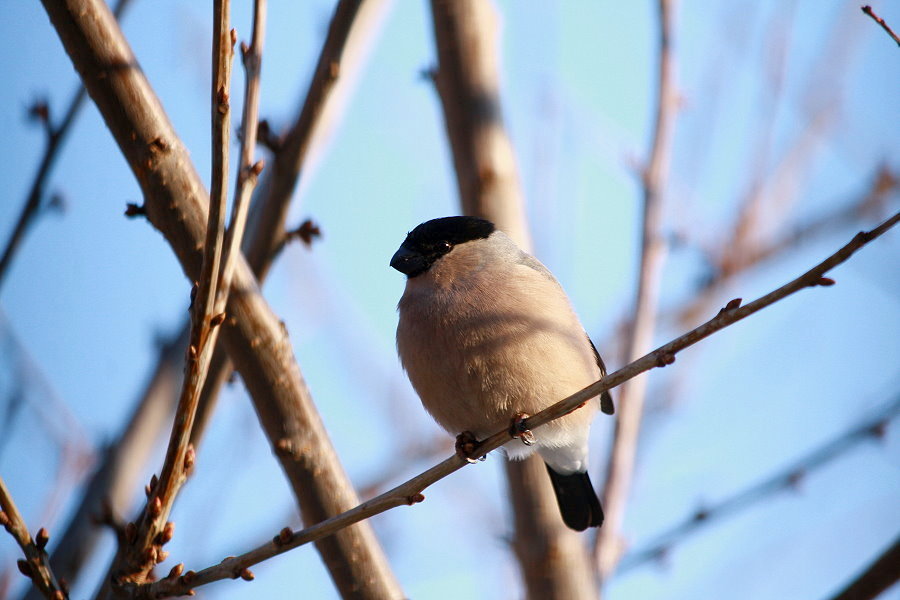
x=606 y=402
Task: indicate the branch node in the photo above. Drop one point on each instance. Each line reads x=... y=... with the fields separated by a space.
x=42 y=538
x=247 y=575
x=154 y=507
x=257 y=167
x=165 y=536
x=308 y=231
x=284 y=536
x=665 y=359
x=190 y=456
x=334 y=70
x=133 y=210
x=234 y=37
x=217 y=320
x=159 y=145
x=415 y=498
x=732 y=305
x=24 y=568
x=188 y=577
x=825 y=281
x=4 y=520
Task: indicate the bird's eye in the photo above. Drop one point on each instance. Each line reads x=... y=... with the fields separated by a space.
x=444 y=246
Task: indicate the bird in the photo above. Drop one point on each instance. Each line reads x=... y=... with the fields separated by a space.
x=487 y=336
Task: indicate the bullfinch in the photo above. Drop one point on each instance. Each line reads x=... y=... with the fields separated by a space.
x=488 y=336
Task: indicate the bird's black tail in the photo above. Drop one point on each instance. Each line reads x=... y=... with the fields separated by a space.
x=577 y=500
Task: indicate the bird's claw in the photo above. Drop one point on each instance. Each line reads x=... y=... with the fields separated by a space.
x=518 y=429
x=466 y=447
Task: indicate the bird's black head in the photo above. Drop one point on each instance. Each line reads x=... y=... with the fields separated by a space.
x=433 y=239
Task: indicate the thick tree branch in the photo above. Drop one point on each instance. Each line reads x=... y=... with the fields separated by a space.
x=552 y=559
x=785 y=479
x=620 y=466
x=144 y=539
x=410 y=492
x=255 y=339
x=115 y=479
x=35 y=566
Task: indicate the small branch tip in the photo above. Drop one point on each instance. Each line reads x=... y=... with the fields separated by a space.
x=133 y=210
x=42 y=538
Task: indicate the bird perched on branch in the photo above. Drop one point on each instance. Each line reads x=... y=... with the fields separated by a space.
x=488 y=336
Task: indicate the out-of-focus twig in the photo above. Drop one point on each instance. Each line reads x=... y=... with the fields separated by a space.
x=620 y=467
x=878 y=577
x=56 y=136
x=872 y=200
x=110 y=490
x=868 y=10
x=410 y=492
x=785 y=479
x=35 y=566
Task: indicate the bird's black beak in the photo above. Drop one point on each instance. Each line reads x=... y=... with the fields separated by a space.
x=408 y=262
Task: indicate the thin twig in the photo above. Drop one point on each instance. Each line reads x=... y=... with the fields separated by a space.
x=176 y=202
x=143 y=548
x=785 y=479
x=620 y=466
x=36 y=565
x=410 y=492
x=248 y=172
x=872 y=200
x=56 y=136
x=868 y=10
x=877 y=578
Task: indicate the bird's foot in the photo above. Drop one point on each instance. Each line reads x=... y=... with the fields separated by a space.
x=519 y=429
x=467 y=446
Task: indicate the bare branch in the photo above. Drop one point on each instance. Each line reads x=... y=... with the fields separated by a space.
x=785 y=479
x=877 y=578
x=56 y=136
x=35 y=566
x=142 y=549
x=248 y=172
x=552 y=559
x=868 y=10
x=410 y=492
x=631 y=397
x=256 y=340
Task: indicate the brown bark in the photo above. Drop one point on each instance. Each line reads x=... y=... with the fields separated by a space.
x=175 y=203
x=551 y=557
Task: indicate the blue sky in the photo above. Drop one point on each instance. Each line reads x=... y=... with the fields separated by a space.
x=90 y=290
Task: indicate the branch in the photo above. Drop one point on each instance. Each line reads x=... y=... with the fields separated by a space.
x=871 y=201
x=115 y=478
x=620 y=466
x=35 y=566
x=868 y=10
x=551 y=557
x=410 y=492
x=877 y=578
x=255 y=339
x=248 y=172
x=56 y=136
x=144 y=539
x=785 y=479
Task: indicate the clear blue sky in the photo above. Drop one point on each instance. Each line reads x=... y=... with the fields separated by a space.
x=90 y=290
